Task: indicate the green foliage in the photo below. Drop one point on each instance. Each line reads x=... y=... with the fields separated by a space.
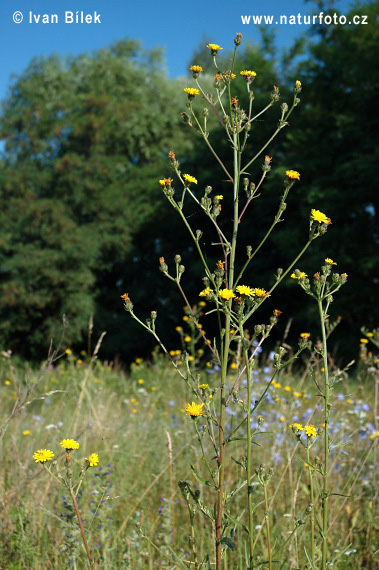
x=84 y=138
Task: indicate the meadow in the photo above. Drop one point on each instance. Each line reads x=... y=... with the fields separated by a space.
x=136 y=422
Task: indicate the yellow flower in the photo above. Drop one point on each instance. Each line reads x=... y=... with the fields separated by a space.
x=93 y=459
x=141 y=381
x=203 y=386
x=205 y=292
x=233 y=366
x=214 y=48
x=194 y=410
x=370 y=334
x=293 y=174
x=196 y=68
x=226 y=294
x=282 y=419
x=69 y=444
x=297 y=394
x=302 y=275
x=330 y=261
x=287 y=389
x=43 y=455
x=310 y=431
x=178 y=329
x=191 y=92
x=68 y=351
x=187 y=339
x=298 y=83
x=297 y=427
x=220 y=197
x=363 y=341
x=305 y=335
x=26 y=432
x=260 y=292
x=244 y=290
x=319 y=217
x=246 y=73
x=189 y=179
x=7 y=382
x=165 y=182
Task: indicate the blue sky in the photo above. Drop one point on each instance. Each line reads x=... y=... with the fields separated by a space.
x=179 y=26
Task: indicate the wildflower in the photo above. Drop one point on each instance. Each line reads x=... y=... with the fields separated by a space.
x=319 y=217
x=238 y=39
x=189 y=179
x=293 y=174
x=196 y=69
x=43 y=455
x=296 y=427
x=363 y=341
x=330 y=261
x=244 y=290
x=68 y=351
x=248 y=74
x=277 y=313
x=287 y=389
x=305 y=335
x=191 y=92
x=7 y=382
x=165 y=182
x=268 y=159
x=187 y=339
x=310 y=431
x=297 y=394
x=301 y=275
x=297 y=86
x=226 y=294
x=194 y=410
x=141 y=381
x=203 y=386
x=234 y=102
x=125 y=296
x=171 y=155
x=261 y=292
x=214 y=49
x=26 y=432
x=220 y=197
x=204 y=293
x=69 y=444
x=93 y=459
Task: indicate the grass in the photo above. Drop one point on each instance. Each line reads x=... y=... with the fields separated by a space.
x=146 y=444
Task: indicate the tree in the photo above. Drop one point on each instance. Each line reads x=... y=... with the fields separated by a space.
x=84 y=141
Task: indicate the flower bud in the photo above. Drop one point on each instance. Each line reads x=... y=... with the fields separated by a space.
x=178 y=259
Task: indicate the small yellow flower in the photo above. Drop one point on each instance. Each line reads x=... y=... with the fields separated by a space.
x=68 y=351
x=277 y=385
x=189 y=179
x=319 y=217
x=233 y=366
x=293 y=174
x=363 y=341
x=205 y=292
x=141 y=381
x=196 y=68
x=214 y=48
x=330 y=261
x=191 y=92
x=69 y=444
x=301 y=276
x=220 y=197
x=93 y=459
x=187 y=339
x=226 y=294
x=26 y=432
x=153 y=388
x=7 y=382
x=260 y=292
x=297 y=427
x=244 y=290
x=282 y=419
x=370 y=334
x=43 y=455
x=305 y=335
x=194 y=410
x=203 y=386
x=247 y=73
x=297 y=394
x=287 y=389
x=165 y=182
x=310 y=431
x=134 y=411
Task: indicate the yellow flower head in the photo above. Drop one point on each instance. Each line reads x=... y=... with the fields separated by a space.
x=196 y=68
x=297 y=427
x=214 y=48
x=302 y=275
x=194 y=410
x=26 y=432
x=363 y=341
x=205 y=292
x=93 y=459
x=310 y=431
x=191 y=92
x=260 y=292
x=330 y=261
x=293 y=174
x=68 y=351
x=43 y=455
x=246 y=74
x=305 y=335
x=203 y=386
x=165 y=182
x=226 y=294
x=189 y=179
x=319 y=217
x=220 y=197
x=244 y=290
x=187 y=339
x=69 y=444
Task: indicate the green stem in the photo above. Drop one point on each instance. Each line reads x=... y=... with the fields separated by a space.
x=268 y=529
x=81 y=528
x=312 y=514
x=326 y=396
